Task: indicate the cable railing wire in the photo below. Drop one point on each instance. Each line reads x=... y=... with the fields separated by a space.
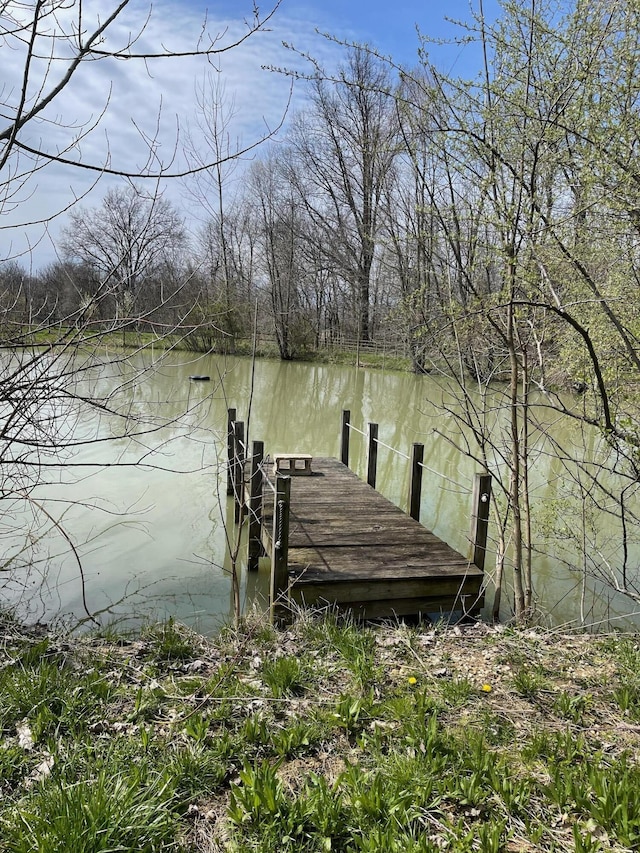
x=443 y=476
x=392 y=449
x=378 y=441
x=406 y=456
x=355 y=429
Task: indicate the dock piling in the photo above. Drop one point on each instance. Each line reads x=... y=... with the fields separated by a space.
x=480 y=518
x=255 y=506
x=280 y=549
x=231 y=444
x=344 y=440
x=372 y=455
x=415 y=492
x=238 y=468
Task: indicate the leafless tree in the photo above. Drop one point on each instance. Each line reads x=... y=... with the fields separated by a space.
x=281 y=250
x=343 y=147
x=126 y=240
x=49 y=47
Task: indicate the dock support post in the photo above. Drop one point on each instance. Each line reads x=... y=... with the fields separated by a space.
x=480 y=518
x=231 y=443
x=238 y=469
x=415 y=493
x=344 y=441
x=280 y=550
x=255 y=506
x=372 y=455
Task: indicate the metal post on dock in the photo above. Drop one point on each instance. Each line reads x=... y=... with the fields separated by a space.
x=344 y=440
x=415 y=492
x=280 y=550
x=238 y=468
x=255 y=506
x=372 y=455
x=480 y=518
x=231 y=443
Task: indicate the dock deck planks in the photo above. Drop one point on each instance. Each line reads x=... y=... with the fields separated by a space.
x=350 y=546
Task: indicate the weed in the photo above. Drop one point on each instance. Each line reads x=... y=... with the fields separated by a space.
x=627 y=698
x=259 y=795
x=51 y=696
x=34 y=653
x=255 y=730
x=170 y=642
x=323 y=807
x=195 y=770
x=352 y=712
x=539 y=746
x=584 y=842
x=529 y=681
x=285 y=676
x=626 y=651
x=570 y=707
x=456 y=692
x=299 y=736
x=197 y=727
x=357 y=647
x=355 y=765
x=498 y=730
x=614 y=799
x=14 y=765
x=126 y=810
x=491 y=836
x=626 y=693
x=148 y=702
x=514 y=791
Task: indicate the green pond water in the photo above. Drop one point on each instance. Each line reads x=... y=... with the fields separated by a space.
x=141 y=522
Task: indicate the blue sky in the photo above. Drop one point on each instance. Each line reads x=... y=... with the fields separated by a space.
x=157 y=100
x=389 y=25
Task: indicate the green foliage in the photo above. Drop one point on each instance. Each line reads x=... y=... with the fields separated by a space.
x=196 y=770
x=127 y=810
x=197 y=727
x=170 y=642
x=52 y=697
x=111 y=757
x=215 y=326
x=570 y=707
x=529 y=680
x=259 y=796
x=356 y=646
x=284 y=675
x=353 y=712
x=255 y=730
x=456 y=692
x=299 y=736
x=627 y=691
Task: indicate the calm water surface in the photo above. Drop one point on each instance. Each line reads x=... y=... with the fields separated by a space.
x=149 y=540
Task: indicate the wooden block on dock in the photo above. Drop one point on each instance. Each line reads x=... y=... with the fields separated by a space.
x=293 y=463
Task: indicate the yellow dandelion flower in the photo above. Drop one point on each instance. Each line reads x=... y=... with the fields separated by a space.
x=412 y=679
x=486 y=688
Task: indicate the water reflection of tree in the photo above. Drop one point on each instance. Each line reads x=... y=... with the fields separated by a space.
x=49 y=357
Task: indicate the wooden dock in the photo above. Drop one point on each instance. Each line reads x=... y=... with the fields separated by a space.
x=333 y=540
x=351 y=547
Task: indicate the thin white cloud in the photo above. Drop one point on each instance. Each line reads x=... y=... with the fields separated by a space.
x=141 y=107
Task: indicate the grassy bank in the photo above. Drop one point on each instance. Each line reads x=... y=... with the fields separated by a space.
x=133 y=340
x=323 y=737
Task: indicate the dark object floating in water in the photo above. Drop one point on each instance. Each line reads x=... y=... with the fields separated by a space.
x=197 y=378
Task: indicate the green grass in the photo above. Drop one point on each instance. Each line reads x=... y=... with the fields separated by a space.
x=328 y=736
x=131 y=339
